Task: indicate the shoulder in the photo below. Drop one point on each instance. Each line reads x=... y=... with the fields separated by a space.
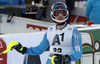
x=51 y=28
x=70 y=26
x=75 y=29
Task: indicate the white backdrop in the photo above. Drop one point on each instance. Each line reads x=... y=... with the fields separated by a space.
x=28 y=40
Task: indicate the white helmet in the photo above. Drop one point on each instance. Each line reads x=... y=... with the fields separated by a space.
x=57 y=9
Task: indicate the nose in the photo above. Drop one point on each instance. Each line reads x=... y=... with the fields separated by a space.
x=60 y=15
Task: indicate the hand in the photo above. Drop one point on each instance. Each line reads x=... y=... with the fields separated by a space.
x=67 y=58
x=20 y=48
x=58 y=59
x=61 y=59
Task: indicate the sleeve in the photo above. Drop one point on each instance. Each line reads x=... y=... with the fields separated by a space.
x=89 y=7
x=77 y=45
x=39 y=49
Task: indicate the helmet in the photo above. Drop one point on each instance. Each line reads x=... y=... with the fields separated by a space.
x=58 y=9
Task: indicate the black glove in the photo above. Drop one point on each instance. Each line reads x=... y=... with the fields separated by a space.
x=58 y=59
x=66 y=58
x=62 y=59
x=20 y=48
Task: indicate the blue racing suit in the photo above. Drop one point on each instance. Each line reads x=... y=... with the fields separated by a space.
x=71 y=43
x=93 y=11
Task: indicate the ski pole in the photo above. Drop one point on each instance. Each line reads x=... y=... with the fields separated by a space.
x=52 y=59
x=10 y=46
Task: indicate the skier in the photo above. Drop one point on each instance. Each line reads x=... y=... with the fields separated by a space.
x=64 y=40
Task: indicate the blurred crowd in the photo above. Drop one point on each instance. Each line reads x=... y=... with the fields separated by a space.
x=40 y=9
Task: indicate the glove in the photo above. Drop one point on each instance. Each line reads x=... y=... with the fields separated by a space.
x=62 y=59
x=20 y=48
x=66 y=59
x=58 y=59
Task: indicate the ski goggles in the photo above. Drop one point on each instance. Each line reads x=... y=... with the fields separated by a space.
x=56 y=13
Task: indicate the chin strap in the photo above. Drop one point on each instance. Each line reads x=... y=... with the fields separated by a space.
x=60 y=23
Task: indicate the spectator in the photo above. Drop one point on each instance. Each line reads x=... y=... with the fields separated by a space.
x=70 y=5
x=93 y=11
x=12 y=2
x=46 y=11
